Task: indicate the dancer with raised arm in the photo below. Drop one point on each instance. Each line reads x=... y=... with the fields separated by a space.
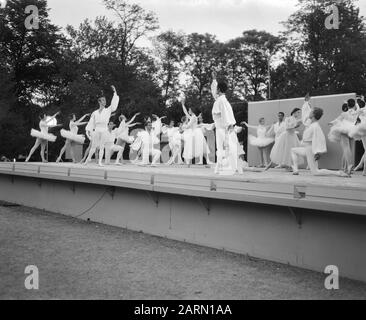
x=99 y=125
x=42 y=136
x=313 y=147
x=306 y=111
x=224 y=119
x=262 y=141
x=202 y=148
x=72 y=137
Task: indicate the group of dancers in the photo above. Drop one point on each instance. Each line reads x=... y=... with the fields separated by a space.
x=280 y=144
x=187 y=140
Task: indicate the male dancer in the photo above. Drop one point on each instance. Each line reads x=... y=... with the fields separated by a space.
x=223 y=116
x=99 y=125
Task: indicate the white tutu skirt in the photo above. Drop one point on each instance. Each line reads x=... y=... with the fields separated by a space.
x=175 y=141
x=339 y=128
x=260 y=142
x=126 y=138
x=44 y=136
x=78 y=138
x=358 y=132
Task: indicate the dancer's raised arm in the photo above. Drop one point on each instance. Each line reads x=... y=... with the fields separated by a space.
x=115 y=100
x=133 y=119
x=214 y=85
x=80 y=121
x=185 y=109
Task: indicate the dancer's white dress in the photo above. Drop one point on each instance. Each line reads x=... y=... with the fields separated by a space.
x=201 y=146
x=261 y=140
x=73 y=135
x=189 y=135
x=344 y=124
x=281 y=152
x=43 y=133
x=358 y=132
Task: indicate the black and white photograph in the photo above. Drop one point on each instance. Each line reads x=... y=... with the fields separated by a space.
x=182 y=156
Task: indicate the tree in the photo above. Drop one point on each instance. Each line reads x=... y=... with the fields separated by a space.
x=335 y=59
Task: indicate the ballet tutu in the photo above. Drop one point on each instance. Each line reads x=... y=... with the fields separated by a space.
x=126 y=138
x=78 y=138
x=281 y=152
x=339 y=128
x=43 y=136
x=137 y=144
x=358 y=132
x=260 y=142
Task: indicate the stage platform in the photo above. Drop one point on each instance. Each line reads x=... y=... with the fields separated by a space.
x=305 y=221
x=275 y=187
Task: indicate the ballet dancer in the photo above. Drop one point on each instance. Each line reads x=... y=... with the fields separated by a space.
x=281 y=152
x=148 y=139
x=359 y=134
x=341 y=129
x=262 y=141
x=313 y=146
x=199 y=134
x=110 y=146
x=124 y=127
x=72 y=137
x=42 y=136
x=223 y=116
x=306 y=111
x=99 y=125
x=175 y=137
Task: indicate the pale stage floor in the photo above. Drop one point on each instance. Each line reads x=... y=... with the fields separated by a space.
x=273 y=176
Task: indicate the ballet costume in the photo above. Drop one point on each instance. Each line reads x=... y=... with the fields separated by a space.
x=43 y=133
x=73 y=135
x=111 y=148
x=358 y=132
x=344 y=124
x=281 y=152
x=175 y=144
x=261 y=140
x=189 y=139
x=124 y=134
x=148 y=141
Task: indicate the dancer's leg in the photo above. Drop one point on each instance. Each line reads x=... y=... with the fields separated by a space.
x=296 y=154
x=34 y=149
x=43 y=149
x=62 y=152
x=261 y=155
x=346 y=147
x=156 y=154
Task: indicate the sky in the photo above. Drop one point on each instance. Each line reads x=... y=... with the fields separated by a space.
x=226 y=19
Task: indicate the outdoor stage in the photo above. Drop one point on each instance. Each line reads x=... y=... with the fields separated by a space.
x=305 y=221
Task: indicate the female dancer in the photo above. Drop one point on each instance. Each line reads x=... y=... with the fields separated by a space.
x=281 y=152
x=72 y=137
x=124 y=137
x=201 y=140
x=359 y=133
x=110 y=146
x=341 y=129
x=261 y=141
x=175 y=142
x=43 y=137
x=189 y=134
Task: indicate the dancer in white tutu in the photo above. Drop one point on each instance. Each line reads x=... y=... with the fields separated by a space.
x=341 y=129
x=72 y=137
x=281 y=152
x=262 y=141
x=99 y=125
x=359 y=133
x=110 y=146
x=42 y=136
x=313 y=147
x=124 y=129
x=175 y=137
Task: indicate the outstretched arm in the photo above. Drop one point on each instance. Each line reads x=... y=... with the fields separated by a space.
x=249 y=126
x=53 y=117
x=133 y=124
x=79 y=122
x=133 y=118
x=185 y=109
x=214 y=85
x=115 y=100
